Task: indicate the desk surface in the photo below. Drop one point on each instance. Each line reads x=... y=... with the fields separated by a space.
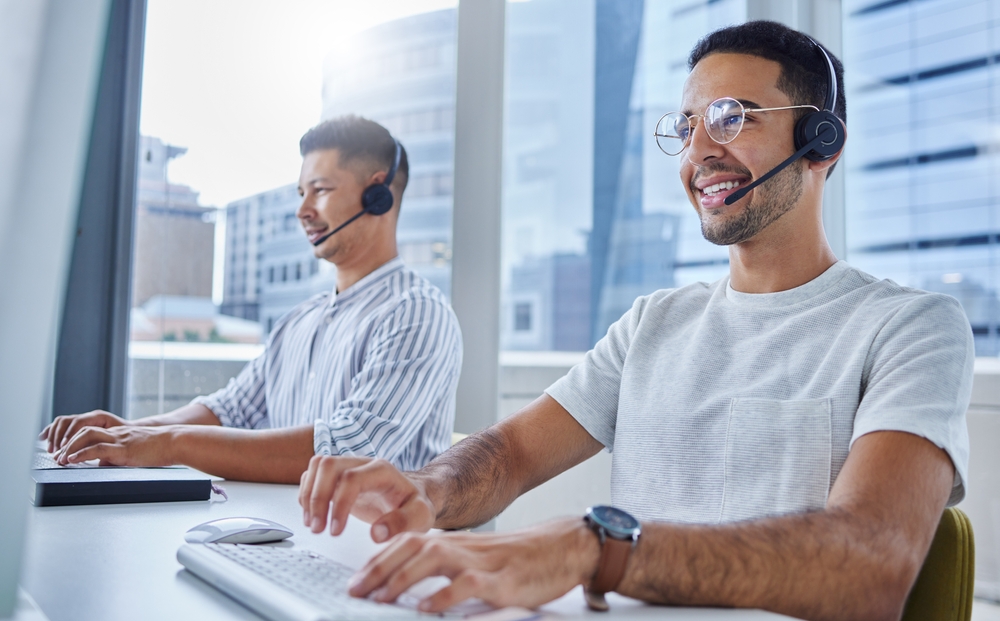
x=118 y=561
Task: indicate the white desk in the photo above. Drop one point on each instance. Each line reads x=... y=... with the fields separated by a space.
x=118 y=561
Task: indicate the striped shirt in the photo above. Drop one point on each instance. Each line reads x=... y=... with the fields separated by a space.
x=373 y=368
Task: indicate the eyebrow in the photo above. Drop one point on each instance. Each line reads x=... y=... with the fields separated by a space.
x=746 y=104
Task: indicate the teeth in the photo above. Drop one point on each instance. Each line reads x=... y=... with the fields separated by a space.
x=719 y=187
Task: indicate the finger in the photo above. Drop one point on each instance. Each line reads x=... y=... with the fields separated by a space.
x=109 y=454
x=435 y=558
x=381 y=566
x=44 y=435
x=56 y=433
x=415 y=515
x=469 y=583
x=97 y=418
x=351 y=483
x=84 y=438
x=327 y=475
x=305 y=487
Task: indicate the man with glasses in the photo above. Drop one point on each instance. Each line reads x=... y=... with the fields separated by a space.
x=785 y=438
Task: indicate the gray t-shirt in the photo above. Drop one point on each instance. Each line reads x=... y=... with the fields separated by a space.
x=721 y=406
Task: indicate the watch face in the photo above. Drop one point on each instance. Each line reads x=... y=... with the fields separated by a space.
x=616 y=522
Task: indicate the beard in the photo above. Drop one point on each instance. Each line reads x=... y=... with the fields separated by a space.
x=771 y=200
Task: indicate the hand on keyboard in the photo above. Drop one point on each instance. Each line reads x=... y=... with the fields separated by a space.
x=59 y=432
x=371 y=489
x=524 y=568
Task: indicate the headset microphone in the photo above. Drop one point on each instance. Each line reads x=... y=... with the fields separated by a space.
x=818 y=135
x=827 y=134
x=376 y=199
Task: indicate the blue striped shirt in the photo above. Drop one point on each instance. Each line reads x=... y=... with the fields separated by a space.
x=373 y=368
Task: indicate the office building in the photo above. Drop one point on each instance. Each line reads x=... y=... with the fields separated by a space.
x=581 y=175
x=403 y=77
x=289 y=273
x=174 y=235
x=923 y=202
x=269 y=266
x=241 y=274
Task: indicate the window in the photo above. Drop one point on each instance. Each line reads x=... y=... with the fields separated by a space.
x=922 y=204
x=593 y=214
x=522 y=317
x=263 y=77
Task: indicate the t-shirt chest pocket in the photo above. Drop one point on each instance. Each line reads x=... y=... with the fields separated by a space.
x=777 y=459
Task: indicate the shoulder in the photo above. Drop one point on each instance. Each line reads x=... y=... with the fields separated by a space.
x=898 y=303
x=690 y=299
x=902 y=321
x=409 y=293
x=300 y=309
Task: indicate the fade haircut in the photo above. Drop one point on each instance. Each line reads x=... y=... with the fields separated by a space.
x=361 y=142
x=804 y=76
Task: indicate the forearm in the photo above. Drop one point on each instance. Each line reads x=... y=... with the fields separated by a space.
x=473 y=481
x=479 y=477
x=824 y=565
x=266 y=456
x=190 y=414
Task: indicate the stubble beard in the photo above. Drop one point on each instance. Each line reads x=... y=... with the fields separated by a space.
x=771 y=200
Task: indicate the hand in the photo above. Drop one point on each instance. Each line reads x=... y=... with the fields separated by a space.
x=522 y=568
x=124 y=445
x=59 y=431
x=373 y=490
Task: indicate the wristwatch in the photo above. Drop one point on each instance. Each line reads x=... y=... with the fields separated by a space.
x=619 y=533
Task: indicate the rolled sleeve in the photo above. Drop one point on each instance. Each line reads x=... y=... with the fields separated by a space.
x=242 y=402
x=410 y=368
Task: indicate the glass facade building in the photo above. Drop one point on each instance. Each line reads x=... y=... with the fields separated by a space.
x=923 y=197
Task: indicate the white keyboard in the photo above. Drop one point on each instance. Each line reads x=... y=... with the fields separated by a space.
x=285 y=583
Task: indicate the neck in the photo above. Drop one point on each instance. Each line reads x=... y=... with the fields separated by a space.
x=788 y=254
x=350 y=272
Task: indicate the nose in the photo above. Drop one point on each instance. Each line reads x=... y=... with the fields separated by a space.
x=306 y=210
x=701 y=148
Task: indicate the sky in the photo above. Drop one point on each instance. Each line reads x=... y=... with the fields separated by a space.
x=238 y=82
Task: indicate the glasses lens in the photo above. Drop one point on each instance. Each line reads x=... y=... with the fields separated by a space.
x=724 y=119
x=672 y=131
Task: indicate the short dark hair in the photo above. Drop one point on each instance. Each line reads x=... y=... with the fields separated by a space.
x=804 y=73
x=358 y=139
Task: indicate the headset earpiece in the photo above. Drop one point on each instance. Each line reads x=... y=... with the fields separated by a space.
x=812 y=125
x=377 y=198
x=815 y=123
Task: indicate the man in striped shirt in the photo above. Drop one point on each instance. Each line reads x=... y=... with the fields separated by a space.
x=368 y=369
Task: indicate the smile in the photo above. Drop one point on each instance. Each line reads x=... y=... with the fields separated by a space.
x=313 y=234
x=712 y=190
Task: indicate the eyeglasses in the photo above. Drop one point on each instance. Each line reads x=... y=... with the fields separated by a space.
x=724 y=119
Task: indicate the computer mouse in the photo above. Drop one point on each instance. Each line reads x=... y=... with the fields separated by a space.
x=237 y=530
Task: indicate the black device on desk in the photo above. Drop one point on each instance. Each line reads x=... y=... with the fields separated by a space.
x=57 y=485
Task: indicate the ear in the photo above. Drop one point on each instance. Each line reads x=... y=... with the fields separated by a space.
x=377 y=178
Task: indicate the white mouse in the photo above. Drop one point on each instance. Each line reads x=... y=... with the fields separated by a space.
x=237 y=530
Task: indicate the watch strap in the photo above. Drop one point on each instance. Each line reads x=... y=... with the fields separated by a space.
x=611 y=567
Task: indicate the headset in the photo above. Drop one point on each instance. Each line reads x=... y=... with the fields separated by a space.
x=818 y=135
x=376 y=198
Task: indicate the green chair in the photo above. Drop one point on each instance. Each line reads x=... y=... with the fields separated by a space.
x=943 y=590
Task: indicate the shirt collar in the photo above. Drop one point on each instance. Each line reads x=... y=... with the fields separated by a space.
x=809 y=290
x=369 y=283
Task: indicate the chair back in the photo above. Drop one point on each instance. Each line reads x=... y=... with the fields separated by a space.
x=943 y=590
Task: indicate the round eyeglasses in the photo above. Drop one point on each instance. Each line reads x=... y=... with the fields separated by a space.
x=724 y=119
